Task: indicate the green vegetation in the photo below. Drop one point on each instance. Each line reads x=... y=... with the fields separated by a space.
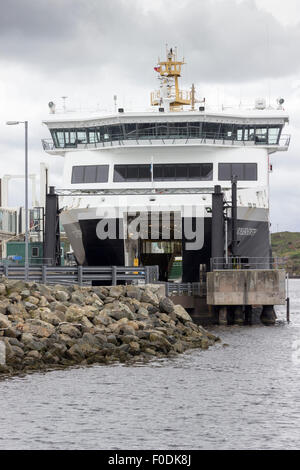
x=287 y=245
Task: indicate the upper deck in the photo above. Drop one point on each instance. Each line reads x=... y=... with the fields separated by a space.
x=229 y=127
x=174 y=119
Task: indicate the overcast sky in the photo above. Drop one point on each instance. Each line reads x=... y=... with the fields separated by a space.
x=89 y=50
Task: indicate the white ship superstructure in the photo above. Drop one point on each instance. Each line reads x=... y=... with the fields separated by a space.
x=152 y=174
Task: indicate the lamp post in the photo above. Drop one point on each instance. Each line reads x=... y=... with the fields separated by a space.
x=14 y=123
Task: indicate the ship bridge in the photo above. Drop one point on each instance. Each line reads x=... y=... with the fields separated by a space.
x=182 y=128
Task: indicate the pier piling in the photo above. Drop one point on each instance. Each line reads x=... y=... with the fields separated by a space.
x=223 y=316
x=238 y=315
x=268 y=316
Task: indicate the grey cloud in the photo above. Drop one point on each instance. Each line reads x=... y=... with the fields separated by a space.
x=223 y=41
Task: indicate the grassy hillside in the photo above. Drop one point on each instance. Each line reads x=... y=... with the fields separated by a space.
x=287 y=245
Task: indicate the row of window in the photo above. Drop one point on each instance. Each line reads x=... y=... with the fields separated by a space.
x=164 y=172
x=260 y=134
x=90 y=174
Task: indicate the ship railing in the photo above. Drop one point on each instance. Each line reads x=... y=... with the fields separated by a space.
x=180 y=138
x=82 y=275
x=244 y=262
x=48 y=144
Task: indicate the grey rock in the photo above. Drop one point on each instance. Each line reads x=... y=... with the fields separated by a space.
x=17 y=351
x=12 y=332
x=166 y=305
x=112 y=339
x=149 y=297
x=30 y=306
x=78 y=298
x=70 y=330
x=31 y=343
x=4 y=321
x=62 y=296
x=134 y=292
x=181 y=313
x=15 y=342
x=2 y=289
x=116 y=291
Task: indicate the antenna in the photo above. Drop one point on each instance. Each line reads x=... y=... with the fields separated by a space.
x=269 y=63
x=115 y=101
x=64 y=102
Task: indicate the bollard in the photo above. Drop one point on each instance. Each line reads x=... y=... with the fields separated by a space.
x=114 y=275
x=288 y=309
x=147 y=275
x=44 y=274
x=80 y=275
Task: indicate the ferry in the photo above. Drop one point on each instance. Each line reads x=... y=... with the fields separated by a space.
x=137 y=186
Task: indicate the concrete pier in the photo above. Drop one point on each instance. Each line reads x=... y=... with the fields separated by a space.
x=244 y=288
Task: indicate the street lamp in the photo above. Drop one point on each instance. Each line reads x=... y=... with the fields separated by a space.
x=14 y=123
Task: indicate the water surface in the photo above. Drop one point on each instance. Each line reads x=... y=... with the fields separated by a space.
x=242 y=396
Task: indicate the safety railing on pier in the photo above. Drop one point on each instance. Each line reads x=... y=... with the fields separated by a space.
x=186 y=288
x=240 y=262
x=82 y=275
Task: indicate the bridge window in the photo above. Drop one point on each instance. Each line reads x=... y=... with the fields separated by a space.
x=243 y=171
x=125 y=173
x=273 y=135
x=259 y=134
x=183 y=172
x=60 y=138
x=90 y=174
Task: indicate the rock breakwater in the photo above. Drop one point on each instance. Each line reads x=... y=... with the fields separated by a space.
x=44 y=327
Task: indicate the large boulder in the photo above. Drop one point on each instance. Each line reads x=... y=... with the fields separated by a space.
x=102 y=292
x=166 y=305
x=58 y=306
x=119 y=310
x=181 y=313
x=70 y=330
x=33 y=300
x=76 y=353
x=74 y=314
x=39 y=328
x=149 y=297
x=3 y=305
x=78 y=298
x=32 y=343
x=2 y=289
x=4 y=321
x=62 y=296
x=116 y=291
x=102 y=319
x=49 y=317
x=134 y=292
x=90 y=311
x=15 y=286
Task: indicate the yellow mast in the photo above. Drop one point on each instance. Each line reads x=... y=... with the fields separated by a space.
x=170 y=71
